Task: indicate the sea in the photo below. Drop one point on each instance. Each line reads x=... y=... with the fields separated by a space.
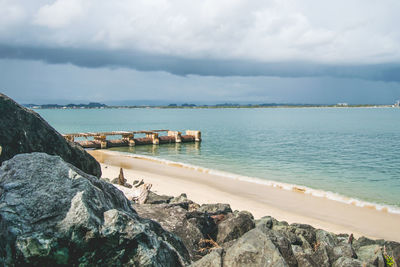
x=346 y=154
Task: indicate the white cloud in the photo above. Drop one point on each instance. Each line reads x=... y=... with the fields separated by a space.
x=59 y=14
x=360 y=31
x=10 y=14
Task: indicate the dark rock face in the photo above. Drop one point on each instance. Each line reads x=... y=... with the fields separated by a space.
x=215 y=209
x=275 y=243
x=254 y=248
x=234 y=226
x=191 y=227
x=153 y=198
x=52 y=213
x=24 y=131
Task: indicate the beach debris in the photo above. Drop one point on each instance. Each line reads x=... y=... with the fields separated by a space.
x=218 y=218
x=143 y=193
x=351 y=238
x=139 y=183
x=121 y=178
x=136 y=194
x=208 y=245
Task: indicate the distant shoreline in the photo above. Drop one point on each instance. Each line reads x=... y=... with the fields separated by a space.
x=215 y=107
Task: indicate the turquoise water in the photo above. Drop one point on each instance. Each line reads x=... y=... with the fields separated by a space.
x=351 y=151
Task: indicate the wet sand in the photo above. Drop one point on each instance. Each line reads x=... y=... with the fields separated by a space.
x=260 y=200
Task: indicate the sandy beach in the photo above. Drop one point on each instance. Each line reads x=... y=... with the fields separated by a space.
x=260 y=200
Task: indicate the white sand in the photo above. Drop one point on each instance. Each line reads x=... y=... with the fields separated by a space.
x=260 y=200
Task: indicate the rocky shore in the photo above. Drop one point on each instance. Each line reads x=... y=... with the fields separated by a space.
x=53 y=213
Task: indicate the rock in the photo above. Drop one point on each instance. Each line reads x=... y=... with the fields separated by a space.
x=285 y=230
x=179 y=199
x=191 y=227
x=153 y=198
x=343 y=250
x=105 y=180
x=325 y=237
x=267 y=221
x=24 y=131
x=215 y=209
x=306 y=231
x=54 y=214
x=347 y=262
x=364 y=241
x=235 y=226
x=182 y=201
x=303 y=259
x=371 y=254
x=212 y=259
x=254 y=248
x=284 y=246
x=321 y=256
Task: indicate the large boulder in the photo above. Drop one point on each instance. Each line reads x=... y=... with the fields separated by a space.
x=254 y=248
x=215 y=209
x=192 y=227
x=52 y=213
x=235 y=226
x=24 y=131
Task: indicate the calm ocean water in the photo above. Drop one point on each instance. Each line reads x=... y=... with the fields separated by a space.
x=351 y=151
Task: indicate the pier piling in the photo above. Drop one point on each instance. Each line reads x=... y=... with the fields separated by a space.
x=128 y=138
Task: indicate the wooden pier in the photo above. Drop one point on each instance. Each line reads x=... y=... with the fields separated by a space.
x=154 y=137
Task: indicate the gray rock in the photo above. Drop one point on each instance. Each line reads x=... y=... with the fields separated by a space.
x=303 y=259
x=212 y=259
x=254 y=248
x=54 y=214
x=269 y=222
x=191 y=227
x=215 y=209
x=154 y=198
x=321 y=257
x=325 y=237
x=364 y=241
x=182 y=201
x=24 y=131
x=306 y=231
x=343 y=250
x=235 y=226
x=179 y=199
x=347 y=262
x=371 y=254
x=284 y=246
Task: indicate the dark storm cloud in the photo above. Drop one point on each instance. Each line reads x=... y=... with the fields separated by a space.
x=91 y=58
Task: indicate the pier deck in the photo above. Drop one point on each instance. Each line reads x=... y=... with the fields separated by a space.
x=128 y=138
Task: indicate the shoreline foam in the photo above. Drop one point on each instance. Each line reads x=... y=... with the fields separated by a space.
x=281 y=185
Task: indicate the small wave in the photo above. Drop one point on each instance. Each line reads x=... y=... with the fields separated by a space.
x=285 y=186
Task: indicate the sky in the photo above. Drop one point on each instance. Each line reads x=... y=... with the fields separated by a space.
x=184 y=51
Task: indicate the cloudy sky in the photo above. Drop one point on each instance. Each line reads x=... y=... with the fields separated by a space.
x=165 y=51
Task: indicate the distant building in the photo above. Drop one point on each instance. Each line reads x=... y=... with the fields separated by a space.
x=342 y=104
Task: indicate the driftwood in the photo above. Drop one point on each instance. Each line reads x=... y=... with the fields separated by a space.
x=121 y=178
x=138 y=184
x=143 y=193
x=351 y=238
x=137 y=194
